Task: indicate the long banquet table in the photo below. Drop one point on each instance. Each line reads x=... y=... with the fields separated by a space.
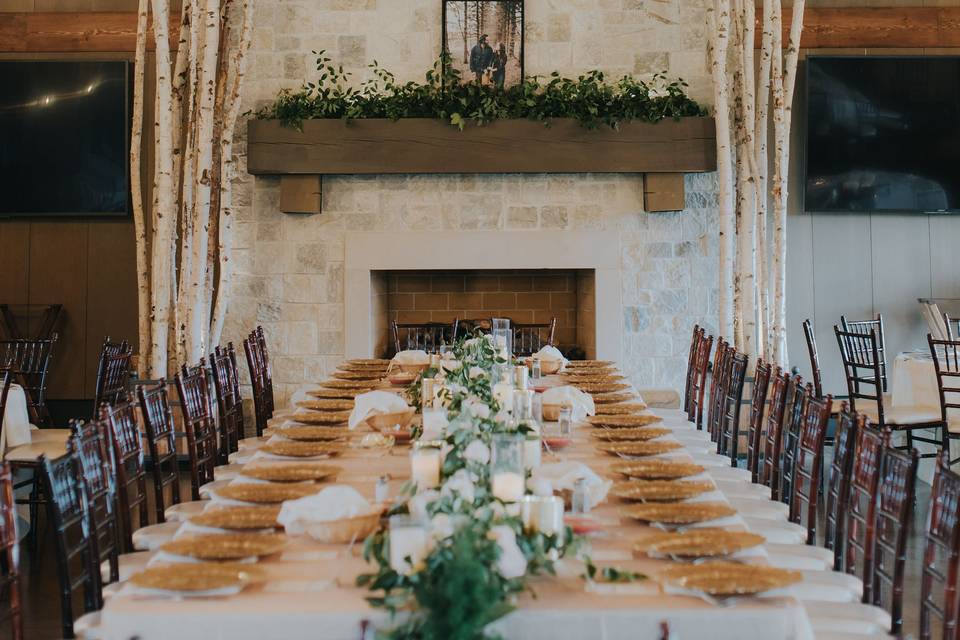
x=309 y=588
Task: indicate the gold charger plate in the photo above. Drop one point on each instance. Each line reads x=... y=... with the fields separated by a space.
x=369 y=374
x=369 y=362
x=617 y=396
x=196 y=577
x=297 y=471
x=601 y=387
x=697 y=543
x=630 y=435
x=267 y=493
x=321 y=417
x=620 y=408
x=656 y=469
x=660 y=490
x=678 y=512
x=326 y=404
x=624 y=421
x=230 y=546
x=729 y=578
x=638 y=448
x=361 y=385
x=574 y=364
x=307 y=433
x=591 y=375
x=238 y=518
x=302 y=449
x=343 y=394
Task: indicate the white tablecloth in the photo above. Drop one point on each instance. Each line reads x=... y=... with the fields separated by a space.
x=914 y=380
x=16 y=420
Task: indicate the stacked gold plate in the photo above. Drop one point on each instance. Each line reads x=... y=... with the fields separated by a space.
x=312 y=433
x=290 y=471
x=616 y=396
x=638 y=448
x=346 y=394
x=660 y=490
x=329 y=404
x=630 y=435
x=321 y=417
x=369 y=374
x=238 y=518
x=376 y=368
x=576 y=364
x=656 y=469
x=698 y=543
x=633 y=420
x=601 y=387
x=369 y=362
x=302 y=449
x=729 y=578
x=679 y=512
x=231 y=546
x=267 y=493
x=620 y=408
x=196 y=577
x=362 y=385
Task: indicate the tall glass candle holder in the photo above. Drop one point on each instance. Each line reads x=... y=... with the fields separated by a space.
x=542 y=514
x=426 y=392
x=521 y=376
x=523 y=404
x=506 y=466
x=409 y=543
x=532 y=449
x=425 y=462
x=502 y=334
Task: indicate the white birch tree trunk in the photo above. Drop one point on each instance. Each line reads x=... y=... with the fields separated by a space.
x=764 y=334
x=136 y=193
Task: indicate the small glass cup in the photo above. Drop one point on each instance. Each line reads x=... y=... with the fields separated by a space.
x=409 y=543
x=581 y=500
x=506 y=467
x=536 y=371
x=566 y=420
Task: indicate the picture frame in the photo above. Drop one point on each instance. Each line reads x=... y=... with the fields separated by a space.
x=484 y=41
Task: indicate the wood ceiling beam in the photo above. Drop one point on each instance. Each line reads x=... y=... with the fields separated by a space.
x=74 y=32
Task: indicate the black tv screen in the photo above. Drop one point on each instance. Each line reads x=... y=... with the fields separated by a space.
x=883 y=134
x=64 y=138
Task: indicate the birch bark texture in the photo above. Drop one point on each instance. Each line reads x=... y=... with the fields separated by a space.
x=749 y=93
x=189 y=215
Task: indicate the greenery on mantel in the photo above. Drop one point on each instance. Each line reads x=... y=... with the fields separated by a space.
x=589 y=99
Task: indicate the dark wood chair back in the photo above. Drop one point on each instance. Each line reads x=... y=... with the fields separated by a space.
x=941 y=556
x=769 y=474
x=10 y=554
x=838 y=481
x=860 y=511
x=946 y=362
x=77 y=555
x=29 y=359
x=761 y=385
x=43 y=317
x=814 y=358
x=809 y=462
x=162 y=443
x=728 y=441
x=261 y=381
x=113 y=373
x=717 y=393
x=861 y=367
x=698 y=333
x=121 y=421
x=897 y=493
x=864 y=327
x=98 y=469
x=528 y=338
x=792 y=425
x=223 y=363
x=424 y=336
x=198 y=422
x=701 y=367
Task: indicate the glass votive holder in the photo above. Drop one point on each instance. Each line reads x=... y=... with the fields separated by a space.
x=542 y=514
x=425 y=463
x=409 y=543
x=523 y=404
x=520 y=376
x=532 y=449
x=506 y=467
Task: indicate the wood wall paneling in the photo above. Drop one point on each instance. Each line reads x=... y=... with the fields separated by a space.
x=945 y=259
x=861 y=27
x=61 y=31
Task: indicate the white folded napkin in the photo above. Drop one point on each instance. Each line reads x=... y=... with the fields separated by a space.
x=410 y=356
x=551 y=353
x=559 y=476
x=336 y=502
x=373 y=403
x=580 y=402
x=16 y=420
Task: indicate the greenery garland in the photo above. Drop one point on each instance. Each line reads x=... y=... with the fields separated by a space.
x=589 y=99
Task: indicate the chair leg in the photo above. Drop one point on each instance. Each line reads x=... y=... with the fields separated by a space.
x=909 y=439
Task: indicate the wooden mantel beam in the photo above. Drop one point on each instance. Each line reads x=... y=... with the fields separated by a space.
x=74 y=32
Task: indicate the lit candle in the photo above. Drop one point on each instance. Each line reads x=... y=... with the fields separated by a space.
x=408 y=544
x=507 y=486
x=531 y=451
x=425 y=466
x=503 y=393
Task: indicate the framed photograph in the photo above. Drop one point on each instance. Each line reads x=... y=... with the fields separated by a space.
x=485 y=40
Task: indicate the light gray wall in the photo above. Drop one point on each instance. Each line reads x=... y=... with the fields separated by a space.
x=859 y=265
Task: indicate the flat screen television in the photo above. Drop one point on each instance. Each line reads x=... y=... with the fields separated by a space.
x=883 y=134
x=64 y=138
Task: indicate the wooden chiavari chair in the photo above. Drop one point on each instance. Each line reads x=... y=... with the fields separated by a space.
x=895 y=500
x=424 y=336
x=94 y=455
x=729 y=432
x=528 y=338
x=806 y=474
x=10 y=567
x=865 y=327
x=698 y=333
x=198 y=422
x=761 y=384
x=717 y=391
x=260 y=380
x=113 y=373
x=797 y=396
x=121 y=421
x=838 y=481
x=74 y=536
x=29 y=359
x=773 y=437
x=814 y=358
x=162 y=443
x=946 y=362
x=223 y=363
x=941 y=556
x=860 y=508
x=701 y=365
x=862 y=363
